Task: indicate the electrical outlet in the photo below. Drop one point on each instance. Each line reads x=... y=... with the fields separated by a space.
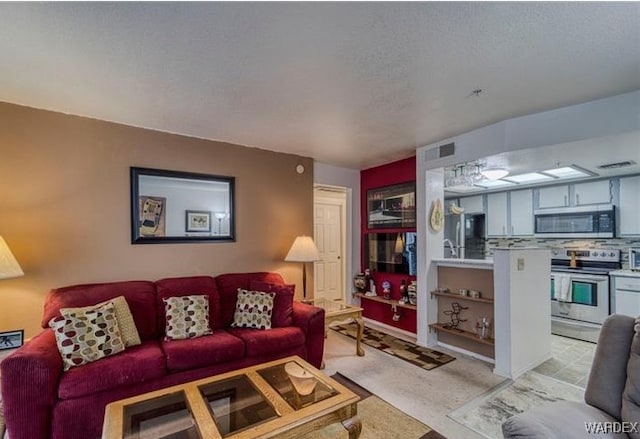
x=520 y=264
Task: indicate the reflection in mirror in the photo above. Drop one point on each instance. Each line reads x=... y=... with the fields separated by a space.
x=392 y=252
x=173 y=206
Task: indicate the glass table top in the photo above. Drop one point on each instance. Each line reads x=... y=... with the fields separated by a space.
x=296 y=385
x=235 y=404
x=331 y=306
x=164 y=417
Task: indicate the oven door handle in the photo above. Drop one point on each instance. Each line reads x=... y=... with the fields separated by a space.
x=589 y=279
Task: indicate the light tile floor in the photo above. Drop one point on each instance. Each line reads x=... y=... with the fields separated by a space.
x=430 y=396
x=571 y=360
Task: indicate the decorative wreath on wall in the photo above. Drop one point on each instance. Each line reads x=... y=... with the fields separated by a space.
x=436 y=217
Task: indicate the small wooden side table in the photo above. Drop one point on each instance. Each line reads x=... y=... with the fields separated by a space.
x=338 y=311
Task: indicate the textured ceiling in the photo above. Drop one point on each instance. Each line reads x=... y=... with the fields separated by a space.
x=351 y=84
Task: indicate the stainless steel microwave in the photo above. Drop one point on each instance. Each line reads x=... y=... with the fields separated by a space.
x=576 y=222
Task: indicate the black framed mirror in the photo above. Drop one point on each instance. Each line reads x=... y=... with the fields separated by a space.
x=175 y=206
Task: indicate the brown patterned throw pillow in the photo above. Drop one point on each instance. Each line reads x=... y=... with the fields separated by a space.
x=126 y=324
x=253 y=309
x=87 y=335
x=186 y=317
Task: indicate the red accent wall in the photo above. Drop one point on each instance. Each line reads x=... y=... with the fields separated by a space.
x=401 y=171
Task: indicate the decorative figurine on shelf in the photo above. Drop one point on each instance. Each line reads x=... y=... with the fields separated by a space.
x=370 y=283
x=360 y=283
x=482 y=327
x=412 y=292
x=404 y=292
x=386 y=289
x=454 y=312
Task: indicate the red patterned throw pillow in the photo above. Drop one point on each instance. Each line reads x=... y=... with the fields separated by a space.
x=186 y=317
x=253 y=310
x=87 y=335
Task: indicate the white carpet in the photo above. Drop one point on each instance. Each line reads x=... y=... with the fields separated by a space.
x=486 y=413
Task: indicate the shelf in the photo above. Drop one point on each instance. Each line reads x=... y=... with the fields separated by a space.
x=387 y=301
x=458 y=296
x=462 y=333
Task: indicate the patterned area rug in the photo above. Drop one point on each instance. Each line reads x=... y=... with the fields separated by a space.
x=486 y=413
x=422 y=357
x=380 y=420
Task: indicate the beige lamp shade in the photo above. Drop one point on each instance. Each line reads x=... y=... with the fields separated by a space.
x=9 y=267
x=303 y=250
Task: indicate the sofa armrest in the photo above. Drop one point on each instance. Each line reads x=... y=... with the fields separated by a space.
x=30 y=379
x=310 y=319
x=557 y=420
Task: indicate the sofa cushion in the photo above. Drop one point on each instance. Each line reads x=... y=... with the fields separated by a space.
x=187 y=317
x=228 y=285
x=609 y=368
x=184 y=286
x=126 y=324
x=258 y=342
x=631 y=393
x=115 y=371
x=253 y=310
x=282 y=303
x=140 y=295
x=219 y=347
x=87 y=335
x=558 y=420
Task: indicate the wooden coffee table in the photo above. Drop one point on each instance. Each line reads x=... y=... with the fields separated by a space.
x=338 y=311
x=255 y=402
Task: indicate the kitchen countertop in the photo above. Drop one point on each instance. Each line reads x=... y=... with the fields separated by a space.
x=484 y=264
x=625 y=273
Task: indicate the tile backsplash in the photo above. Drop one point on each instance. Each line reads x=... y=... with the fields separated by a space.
x=620 y=243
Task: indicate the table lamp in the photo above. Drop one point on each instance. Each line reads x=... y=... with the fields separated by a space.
x=303 y=250
x=9 y=267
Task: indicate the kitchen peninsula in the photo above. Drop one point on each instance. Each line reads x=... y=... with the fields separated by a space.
x=510 y=292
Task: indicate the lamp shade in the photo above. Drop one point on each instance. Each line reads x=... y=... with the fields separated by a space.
x=9 y=267
x=303 y=250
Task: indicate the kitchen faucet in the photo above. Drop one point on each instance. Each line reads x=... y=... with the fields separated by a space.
x=454 y=253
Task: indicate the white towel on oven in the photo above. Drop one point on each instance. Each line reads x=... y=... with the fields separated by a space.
x=562 y=287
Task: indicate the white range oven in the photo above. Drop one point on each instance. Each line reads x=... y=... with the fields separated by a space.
x=580 y=290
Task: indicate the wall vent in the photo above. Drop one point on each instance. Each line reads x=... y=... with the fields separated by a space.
x=440 y=152
x=617 y=165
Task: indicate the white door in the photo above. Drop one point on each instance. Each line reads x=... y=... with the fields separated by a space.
x=521 y=209
x=629 y=208
x=554 y=196
x=497 y=214
x=472 y=204
x=592 y=192
x=328 y=237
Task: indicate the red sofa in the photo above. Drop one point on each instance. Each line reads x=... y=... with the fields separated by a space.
x=41 y=401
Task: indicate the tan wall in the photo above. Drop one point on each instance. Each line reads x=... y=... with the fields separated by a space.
x=65 y=207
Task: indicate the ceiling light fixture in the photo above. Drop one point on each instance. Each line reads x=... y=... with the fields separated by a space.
x=529 y=177
x=571 y=171
x=494 y=173
x=490 y=184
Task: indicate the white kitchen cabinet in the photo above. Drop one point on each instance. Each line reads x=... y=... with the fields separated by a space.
x=521 y=212
x=626 y=287
x=554 y=196
x=497 y=214
x=472 y=204
x=592 y=192
x=629 y=207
